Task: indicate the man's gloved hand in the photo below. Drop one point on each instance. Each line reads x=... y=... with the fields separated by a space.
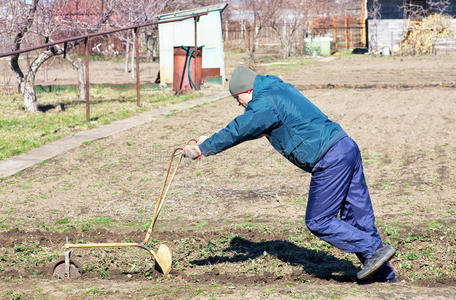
x=201 y=139
x=192 y=151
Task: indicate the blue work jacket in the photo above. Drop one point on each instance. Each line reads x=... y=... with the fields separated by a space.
x=293 y=125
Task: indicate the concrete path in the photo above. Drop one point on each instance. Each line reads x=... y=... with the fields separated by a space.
x=18 y=163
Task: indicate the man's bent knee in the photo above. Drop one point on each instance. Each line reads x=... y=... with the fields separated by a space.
x=317 y=226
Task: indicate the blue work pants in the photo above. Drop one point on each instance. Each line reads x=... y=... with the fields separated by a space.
x=339 y=209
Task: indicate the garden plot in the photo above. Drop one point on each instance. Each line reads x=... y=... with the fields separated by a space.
x=235 y=221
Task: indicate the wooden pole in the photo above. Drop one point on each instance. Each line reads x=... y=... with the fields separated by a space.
x=363 y=21
x=335 y=32
x=138 y=95
x=347 y=33
x=87 y=84
x=196 y=82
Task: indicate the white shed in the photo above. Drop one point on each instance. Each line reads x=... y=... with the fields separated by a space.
x=182 y=33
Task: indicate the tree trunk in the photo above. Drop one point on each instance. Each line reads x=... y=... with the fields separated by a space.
x=80 y=68
x=81 y=80
x=252 y=44
x=147 y=38
x=284 y=40
x=27 y=87
x=127 y=52
x=27 y=81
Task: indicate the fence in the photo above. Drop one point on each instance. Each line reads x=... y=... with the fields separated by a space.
x=445 y=46
x=237 y=36
x=86 y=41
x=346 y=32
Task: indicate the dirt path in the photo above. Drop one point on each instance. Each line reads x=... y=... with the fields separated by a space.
x=235 y=221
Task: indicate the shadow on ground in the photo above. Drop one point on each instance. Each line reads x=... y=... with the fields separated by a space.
x=313 y=262
x=73 y=103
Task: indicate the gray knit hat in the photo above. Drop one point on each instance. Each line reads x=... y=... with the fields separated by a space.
x=242 y=80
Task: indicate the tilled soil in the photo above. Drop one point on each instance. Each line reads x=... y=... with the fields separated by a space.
x=235 y=221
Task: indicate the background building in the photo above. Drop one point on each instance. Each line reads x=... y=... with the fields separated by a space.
x=182 y=33
x=389 y=19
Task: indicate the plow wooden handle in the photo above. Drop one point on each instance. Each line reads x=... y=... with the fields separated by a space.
x=163 y=193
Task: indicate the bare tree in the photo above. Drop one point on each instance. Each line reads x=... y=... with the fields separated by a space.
x=296 y=19
x=21 y=27
x=131 y=12
x=90 y=19
x=419 y=10
x=44 y=20
x=374 y=14
x=31 y=22
x=439 y=6
x=286 y=25
x=258 y=14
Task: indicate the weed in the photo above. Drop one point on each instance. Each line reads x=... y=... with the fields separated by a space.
x=247 y=225
x=197 y=291
x=153 y=243
x=86 y=227
x=202 y=224
x=92 y=291
x=105 y=274
x=411 y=256
x=311 y=296
x=434 y=224
x=268 y=292
x=65 y=220
x=300 y=201
x=212 y=296
x=104 y=220
x=16 y=296
x=68 y=185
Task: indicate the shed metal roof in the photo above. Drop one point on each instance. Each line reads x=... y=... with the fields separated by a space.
x=194 y=11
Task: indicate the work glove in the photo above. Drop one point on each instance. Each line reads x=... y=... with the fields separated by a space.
x=192 y=151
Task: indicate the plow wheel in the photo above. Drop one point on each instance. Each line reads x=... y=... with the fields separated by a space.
x=66 y=268
x=59 y=272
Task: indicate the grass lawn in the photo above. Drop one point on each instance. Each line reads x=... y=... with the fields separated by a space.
x=64 y=115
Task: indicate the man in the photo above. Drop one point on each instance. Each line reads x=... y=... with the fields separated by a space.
x=305 y=136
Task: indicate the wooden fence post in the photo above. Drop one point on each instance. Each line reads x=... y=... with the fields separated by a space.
x=347 y=33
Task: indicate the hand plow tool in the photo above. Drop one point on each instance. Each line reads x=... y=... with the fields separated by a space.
x=67 y=268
